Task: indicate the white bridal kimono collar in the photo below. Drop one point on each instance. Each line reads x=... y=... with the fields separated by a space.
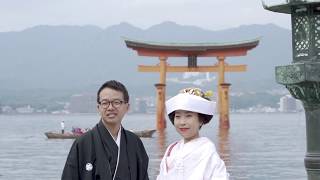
x=195 y=160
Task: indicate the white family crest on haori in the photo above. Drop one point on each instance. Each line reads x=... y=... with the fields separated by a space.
x=89 y=167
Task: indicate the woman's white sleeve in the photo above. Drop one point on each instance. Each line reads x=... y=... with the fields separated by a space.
x=216 y=169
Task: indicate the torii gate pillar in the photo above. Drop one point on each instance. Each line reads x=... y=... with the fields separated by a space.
x=223 y=95
x=161 y=94
x=224 y=112
x=161 y=121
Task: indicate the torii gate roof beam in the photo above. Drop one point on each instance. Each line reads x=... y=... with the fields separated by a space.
x=156 y=49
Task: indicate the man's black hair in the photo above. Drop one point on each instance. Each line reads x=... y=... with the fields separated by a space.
x=115 y=85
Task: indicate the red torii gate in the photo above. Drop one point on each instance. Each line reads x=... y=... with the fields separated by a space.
x=192 y=51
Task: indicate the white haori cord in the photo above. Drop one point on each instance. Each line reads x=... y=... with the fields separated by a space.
x=118 y=143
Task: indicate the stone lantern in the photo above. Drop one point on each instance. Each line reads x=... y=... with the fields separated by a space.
x=302 y=76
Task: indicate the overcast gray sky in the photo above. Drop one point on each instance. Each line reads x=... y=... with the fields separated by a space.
x=17 y=15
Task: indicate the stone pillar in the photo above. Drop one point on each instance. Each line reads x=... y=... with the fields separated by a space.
x=312 y=159
x=308 y=91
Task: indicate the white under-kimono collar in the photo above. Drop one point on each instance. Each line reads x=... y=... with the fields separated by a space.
x=116 y=140
x=118 y=137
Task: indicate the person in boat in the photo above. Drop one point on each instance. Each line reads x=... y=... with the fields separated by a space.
x=62 y=127
x=78 y=130
x=108 y=151
x=193 y=157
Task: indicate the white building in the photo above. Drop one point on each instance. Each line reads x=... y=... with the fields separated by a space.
x=288 y=104
x=25 y=109
x=7 y=109
x=299 y=106
x=82 y=103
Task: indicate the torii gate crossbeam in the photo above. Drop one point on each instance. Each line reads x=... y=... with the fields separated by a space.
x=215 y=68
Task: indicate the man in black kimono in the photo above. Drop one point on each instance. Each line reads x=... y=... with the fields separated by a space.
x=108 y=151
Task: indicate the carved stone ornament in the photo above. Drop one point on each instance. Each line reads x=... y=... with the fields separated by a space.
x=298 y=73
x=306 y=91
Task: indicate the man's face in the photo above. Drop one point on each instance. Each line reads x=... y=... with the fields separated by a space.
x=112 y=107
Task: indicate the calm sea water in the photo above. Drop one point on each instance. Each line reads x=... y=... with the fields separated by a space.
x=257 y=147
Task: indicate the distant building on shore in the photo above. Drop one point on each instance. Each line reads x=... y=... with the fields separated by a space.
x=140 y=105
x=145 y=105
x=288 y=104
x=25 y=109
x=82 y=103
x=7 y=109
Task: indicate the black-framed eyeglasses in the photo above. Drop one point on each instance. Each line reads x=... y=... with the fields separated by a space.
x=115 y=103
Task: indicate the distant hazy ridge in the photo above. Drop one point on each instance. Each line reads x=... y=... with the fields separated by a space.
x=74 y=58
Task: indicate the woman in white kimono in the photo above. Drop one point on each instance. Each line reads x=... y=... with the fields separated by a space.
x=193 y=157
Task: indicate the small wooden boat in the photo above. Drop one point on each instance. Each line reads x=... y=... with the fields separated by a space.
x=69 y=135
x=144 y=133
x=66 y=135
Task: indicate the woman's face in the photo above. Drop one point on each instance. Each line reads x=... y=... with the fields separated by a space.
x=187 y=124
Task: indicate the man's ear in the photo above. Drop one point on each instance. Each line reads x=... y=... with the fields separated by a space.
x=128 y=108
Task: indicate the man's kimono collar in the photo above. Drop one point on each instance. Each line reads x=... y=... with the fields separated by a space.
x=106 y=137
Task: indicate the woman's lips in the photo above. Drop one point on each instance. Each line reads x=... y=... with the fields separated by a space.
x=183 y=129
